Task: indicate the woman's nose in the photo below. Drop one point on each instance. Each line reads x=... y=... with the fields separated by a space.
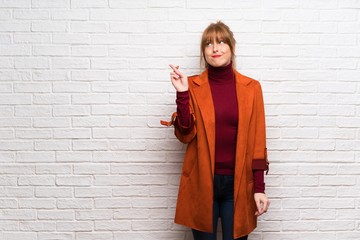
x=215 y=48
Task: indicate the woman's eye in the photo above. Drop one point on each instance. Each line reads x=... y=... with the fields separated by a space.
x=208 y=44
x=221 y=42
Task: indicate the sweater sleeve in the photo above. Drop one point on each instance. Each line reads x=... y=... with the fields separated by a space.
x=184 y=120
x=259 y=184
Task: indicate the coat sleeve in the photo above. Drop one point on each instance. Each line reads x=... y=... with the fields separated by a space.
x=183 y=133
x=260 y=159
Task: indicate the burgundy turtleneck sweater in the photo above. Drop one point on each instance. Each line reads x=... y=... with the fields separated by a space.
x=223 y=91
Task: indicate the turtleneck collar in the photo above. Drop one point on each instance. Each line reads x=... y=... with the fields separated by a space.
x=221 y=75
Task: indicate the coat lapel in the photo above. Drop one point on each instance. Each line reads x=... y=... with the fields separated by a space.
x=205 y=102
x=245 y=97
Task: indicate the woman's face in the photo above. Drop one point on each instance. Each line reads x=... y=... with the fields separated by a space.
x=217 y=53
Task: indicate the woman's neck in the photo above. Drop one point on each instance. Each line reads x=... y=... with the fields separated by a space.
x=221 y=74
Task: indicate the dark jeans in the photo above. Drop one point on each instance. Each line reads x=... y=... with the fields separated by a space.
x=223 y=208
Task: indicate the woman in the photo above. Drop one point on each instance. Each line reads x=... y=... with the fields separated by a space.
x=220 y=115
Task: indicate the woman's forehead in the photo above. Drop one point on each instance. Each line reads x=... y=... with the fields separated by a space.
x=215 y=35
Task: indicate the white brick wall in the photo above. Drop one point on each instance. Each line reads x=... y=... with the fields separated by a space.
x=83 y=85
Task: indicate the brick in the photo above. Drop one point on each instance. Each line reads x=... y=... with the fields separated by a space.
x=93 y=214
x=296 y=203
x=32 y=88
x=338 y=15
x=127 y=27
x=75 y=133
x=73 y=180
x=315 y=214
x=126 y=4
x=113 y=203
x=53 y=169
x=6 y=88
x=127 y=213
x=36 y=181
x=88 y=51
x=38 y=226
x=300 y=235
x=131 y=191
x=51 y=122
x=15 y=50
x=150 y=203
x=8 y=226
x=111 y=156
x=17 y=169
x=89 y=4
x=88 y=75
x=55 y=214
x=90 y=145
x=43 y=192
x=109 y=40
x=109 y=110
x=54 y=236
x=109 y=14
x=96 y=98
x=73 y=156
x=50 y=4
x=31 y=38
x=29 y=203
x=5 y=14
x=141 y=225
x=7 y=134
x=15 y=27
x=15 y=214
x=72 y=226
x=94 y=235
x=92 y=168
x=5 y=39
x=88 y=27
x=109 y=63
x=69 y=63
x=55 y=99
x=111 y=133
x=19 y=192
x=49 y=27
x=112 y=180
x=39 y=156
x=31 y=14
x=32 y=111
x=63 y=111
x=70 y=14
x=71 y=38
x=337 y=226
x=288 y=215
x=337 y=181
x=117 y=225
x=32 y=63
x=8 y=204
x=300 y=226
x=75 y=203
x=337 y=203
x=8 y=180
x=51 y=51
x=20 y=235
x=13 y=145
x=99 y=192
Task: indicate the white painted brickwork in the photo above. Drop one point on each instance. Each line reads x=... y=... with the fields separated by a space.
x=84 y=83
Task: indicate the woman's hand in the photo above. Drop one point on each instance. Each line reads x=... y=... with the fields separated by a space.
x=178 y=79
x=262 y=203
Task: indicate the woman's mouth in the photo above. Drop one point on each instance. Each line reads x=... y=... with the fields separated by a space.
x=216 y=56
